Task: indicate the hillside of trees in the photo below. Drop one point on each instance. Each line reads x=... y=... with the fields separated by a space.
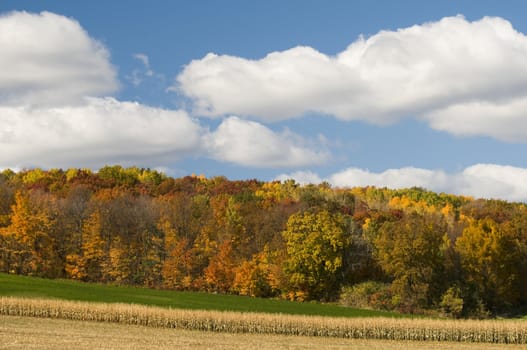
x=410 y=250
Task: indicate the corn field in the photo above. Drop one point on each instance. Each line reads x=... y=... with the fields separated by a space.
x=488 y=331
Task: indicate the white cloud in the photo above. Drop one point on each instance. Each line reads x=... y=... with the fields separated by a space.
x=425 y=71
x=281 y=85
x=51 y=67
x=48 y=59
x=146 y=62
x=502 y=120
x=252 y=144
x=301 y=177
x=138 y=75
x=479 y=181
x=105 y=131
x=99 y=132
x=392 y=178
x=494 y=181
x=143 y=58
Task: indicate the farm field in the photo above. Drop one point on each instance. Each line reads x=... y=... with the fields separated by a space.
x=463 y=331
x=31 y=287
x=29 y=307
x=35 y=333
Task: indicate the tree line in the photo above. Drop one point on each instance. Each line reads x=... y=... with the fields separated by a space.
x=410 y=250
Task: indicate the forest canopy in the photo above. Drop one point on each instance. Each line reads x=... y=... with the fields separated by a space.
x=410 y=250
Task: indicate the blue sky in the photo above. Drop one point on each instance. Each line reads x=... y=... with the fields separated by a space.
x=386 y=93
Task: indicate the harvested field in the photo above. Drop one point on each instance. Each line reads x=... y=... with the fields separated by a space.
x=53 y=334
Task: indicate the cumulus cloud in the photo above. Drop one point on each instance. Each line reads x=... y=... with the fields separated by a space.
x=48 y=59
x=479 y=181
x=104 y=130
x=502 y=120
x=439 y=71
x=281 y=85
x=494 y=181
x=392 y=178
x=252 y=144
x=50 y=115
x=100 y=131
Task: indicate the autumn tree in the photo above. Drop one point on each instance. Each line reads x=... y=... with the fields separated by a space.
x=72 y=212
x=220 y=273
x=411 y=250
x=90 y=262
x=31 y=233
x=136 y=248
x=315 y=244
x=259 y=276
x=7 y=198
x=493 y=261
x=178 y=265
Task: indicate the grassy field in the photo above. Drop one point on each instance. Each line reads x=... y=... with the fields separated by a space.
x=199 y=320
x=31 y=287
x=51 y=334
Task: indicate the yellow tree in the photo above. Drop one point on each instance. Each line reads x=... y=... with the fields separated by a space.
x=15 y=256
x=89 y=264
x=31 y=234
x=235 y=230
x=315 y=244
x=492 y=258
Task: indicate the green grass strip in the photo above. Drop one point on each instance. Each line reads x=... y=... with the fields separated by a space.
x=32 y=287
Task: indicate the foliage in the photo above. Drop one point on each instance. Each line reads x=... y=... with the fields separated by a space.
x=367 y=295
x=493 y=260
x=315 y=245
x=410 y=250
x=258 y=277
x=138 y=227
x=452 y=303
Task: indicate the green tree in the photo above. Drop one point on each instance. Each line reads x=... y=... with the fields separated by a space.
x=452 y=303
